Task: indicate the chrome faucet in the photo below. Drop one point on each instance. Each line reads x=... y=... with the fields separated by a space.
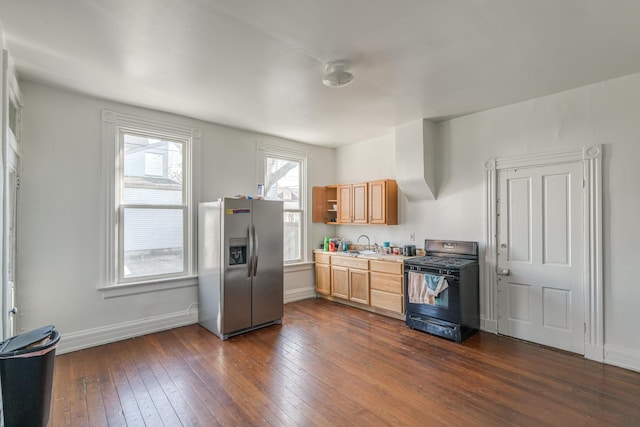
x=368 y=241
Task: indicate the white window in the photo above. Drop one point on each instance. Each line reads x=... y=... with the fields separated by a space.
x=150 y=200
x=285 y=179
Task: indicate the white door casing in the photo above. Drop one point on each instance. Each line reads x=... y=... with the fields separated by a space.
x=10 y=233
x=10 y=181
x=540 y=247
x=589 y=158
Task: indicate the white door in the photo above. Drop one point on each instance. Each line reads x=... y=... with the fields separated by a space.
x=540 y=255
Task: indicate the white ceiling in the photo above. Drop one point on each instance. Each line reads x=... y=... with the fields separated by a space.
x=258 y=64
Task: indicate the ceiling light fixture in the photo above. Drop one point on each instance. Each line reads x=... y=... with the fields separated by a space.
x=336 y=74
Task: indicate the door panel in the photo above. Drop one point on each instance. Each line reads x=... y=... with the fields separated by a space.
x=360 y=207
x=323 y=279
x=344 y=203
x=519 y=302
x=540 y=244
x=340 y=282
x=556 y=219
x=237 y=281
x=519 y=191
x=267 y=290
x=359 y=286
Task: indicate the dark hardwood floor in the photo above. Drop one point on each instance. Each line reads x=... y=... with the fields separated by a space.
x=329 y=364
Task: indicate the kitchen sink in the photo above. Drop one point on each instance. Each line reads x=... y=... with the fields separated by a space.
x=365 y=252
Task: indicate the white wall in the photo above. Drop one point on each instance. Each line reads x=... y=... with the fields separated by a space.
x=604 y=113
x=60 y=250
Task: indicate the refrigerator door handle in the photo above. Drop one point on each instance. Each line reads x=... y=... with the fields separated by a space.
x=250 y=260
x=255 y=251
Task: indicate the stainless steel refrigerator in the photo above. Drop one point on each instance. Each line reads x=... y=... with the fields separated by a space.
x=240 y=264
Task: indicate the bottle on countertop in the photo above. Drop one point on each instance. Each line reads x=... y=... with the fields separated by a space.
x=326 y=244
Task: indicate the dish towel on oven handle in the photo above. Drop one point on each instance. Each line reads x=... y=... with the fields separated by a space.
x=425 y=288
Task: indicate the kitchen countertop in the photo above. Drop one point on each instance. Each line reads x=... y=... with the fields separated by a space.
x=381 y=257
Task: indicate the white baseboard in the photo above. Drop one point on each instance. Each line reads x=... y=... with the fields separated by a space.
x=299 y=294
x=103 y=335
x=93 y=337
x=594 y=352
x=623 y=357
x=489 y=325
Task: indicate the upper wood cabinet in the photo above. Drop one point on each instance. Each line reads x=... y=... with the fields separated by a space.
x=383 y=202
x=360 y=206
x=352 y=203
x=374 y=202
x=345 y=197
x=325 y=204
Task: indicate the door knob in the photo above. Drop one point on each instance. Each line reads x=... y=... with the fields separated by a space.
x=503 y=245
x=503 y=271
x=13 y=311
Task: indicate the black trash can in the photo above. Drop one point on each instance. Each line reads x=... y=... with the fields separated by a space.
x=26 y=377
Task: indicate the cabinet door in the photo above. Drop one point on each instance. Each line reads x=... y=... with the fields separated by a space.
x=377 y=205
x=360 y=206
x=383 y=202
x=387 y=289
x=344 y=203
x=323 y=279
x=387 y=282
x=387 y=301
x=359 y=286
x=319 y=196
x=340 y=281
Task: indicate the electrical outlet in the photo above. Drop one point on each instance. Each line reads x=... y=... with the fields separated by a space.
x=413 y=237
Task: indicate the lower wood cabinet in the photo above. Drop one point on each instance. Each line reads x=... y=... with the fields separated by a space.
x=359 y=286
x=387 y=285
x=350 y=278
x=373 y=284
x=340 y=280
x=323 y=274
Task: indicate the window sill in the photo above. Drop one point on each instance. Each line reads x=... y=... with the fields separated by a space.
x=136 y=288
x=298 y=266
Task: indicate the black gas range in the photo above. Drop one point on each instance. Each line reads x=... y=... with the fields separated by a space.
x=441 y=289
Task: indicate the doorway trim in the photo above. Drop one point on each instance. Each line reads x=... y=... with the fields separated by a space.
x=591 y=159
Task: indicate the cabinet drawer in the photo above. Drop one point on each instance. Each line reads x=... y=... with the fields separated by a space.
x=322 y=258
x=392 y=302
x=386 y=282
x=346 y=261
x=391 y=267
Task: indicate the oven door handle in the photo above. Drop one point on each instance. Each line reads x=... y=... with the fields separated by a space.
x=446 y=276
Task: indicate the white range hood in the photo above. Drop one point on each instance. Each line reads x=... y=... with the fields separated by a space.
x=416 y=159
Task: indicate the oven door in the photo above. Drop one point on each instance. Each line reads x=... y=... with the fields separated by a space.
x=446 y=306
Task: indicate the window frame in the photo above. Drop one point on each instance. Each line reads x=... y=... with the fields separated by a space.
x=115 y=125
x=277 y=152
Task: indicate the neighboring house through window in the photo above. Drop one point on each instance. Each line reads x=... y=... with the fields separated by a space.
x=285 y=179
x=150 y=229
